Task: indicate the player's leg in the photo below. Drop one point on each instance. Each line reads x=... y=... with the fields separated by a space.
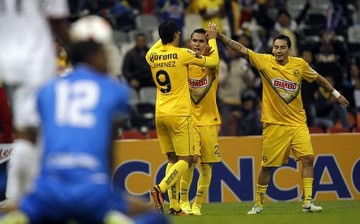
x=210 y=153
x=175 y=134
x=174 y=189
x=22 y=165
x=261 y=188
x=202 y=187
x=187 y=178
x=275 y=150
x=303 y=150
x=185 y=184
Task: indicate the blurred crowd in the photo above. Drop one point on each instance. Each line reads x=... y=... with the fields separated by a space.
x=326 y=33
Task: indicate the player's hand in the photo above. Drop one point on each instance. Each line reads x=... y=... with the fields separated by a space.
x=212 y=31
x=343 y=101
x=207 y=51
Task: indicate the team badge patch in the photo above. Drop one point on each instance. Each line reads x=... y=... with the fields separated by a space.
x=296 y=73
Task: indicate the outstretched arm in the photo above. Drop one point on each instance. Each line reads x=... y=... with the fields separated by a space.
x=235 y=46
x=321 y=81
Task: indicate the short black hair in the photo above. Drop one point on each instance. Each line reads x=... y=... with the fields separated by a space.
x=82 y=51
x=200 y=30
x=140 y=35
x=167 y=30
x=283 y=37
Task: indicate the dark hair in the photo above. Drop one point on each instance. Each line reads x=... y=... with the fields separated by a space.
x=283 y=11
x=82 y=51
x=200 y=30
x=167 y=30
x=140 y=35
x=283 y=37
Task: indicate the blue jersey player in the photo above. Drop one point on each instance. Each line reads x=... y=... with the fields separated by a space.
x=77 y=113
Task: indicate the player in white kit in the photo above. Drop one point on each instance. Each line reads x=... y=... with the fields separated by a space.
x=27 y=60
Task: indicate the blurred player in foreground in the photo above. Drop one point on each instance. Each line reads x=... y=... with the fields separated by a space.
x=203 y=84
x=27 y=61
x=283 y=116
x=77 y=113
x=174 y=125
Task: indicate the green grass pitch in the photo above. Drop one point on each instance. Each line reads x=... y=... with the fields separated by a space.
x=334 y=212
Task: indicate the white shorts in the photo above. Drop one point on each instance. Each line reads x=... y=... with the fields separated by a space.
x=23 y=104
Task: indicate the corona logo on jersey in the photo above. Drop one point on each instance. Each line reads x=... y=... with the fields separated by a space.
x=286 y=85
x=162 y=60
x=139 y=165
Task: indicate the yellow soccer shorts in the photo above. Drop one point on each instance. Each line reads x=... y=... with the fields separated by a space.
x=280 y=140
x=175 y=134
x=206 y=143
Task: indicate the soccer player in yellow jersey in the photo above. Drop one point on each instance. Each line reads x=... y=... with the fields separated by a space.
x=174 y=125
x=283 y=116
x=203 y=84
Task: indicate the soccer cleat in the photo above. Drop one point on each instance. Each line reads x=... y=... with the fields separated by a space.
x=196 y=210
x=114 y=217
x=255 y=210
x=185 y=206
x=177 y=213
x=158 y=199
x=311 y=207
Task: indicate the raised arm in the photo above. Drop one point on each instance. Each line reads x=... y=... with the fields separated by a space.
x=235 y=46
x=212 y=61
x=321 y=81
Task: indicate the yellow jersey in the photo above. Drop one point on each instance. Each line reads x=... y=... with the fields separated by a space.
x=169 y=67
x=281 y=94
x=211 y=6
x=203 y=83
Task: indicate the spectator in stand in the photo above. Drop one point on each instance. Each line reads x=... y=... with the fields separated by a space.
x=267 y=12
x=249 y=115
x=308 y=90
x=328 y=112
x=173 y=10
x=135 y=68
x=122 y=15
x=248 y=9
x=211 y=11
x=330 y=57
x=357 y=95
x=232 y=9
x=235 y=76
x=339 y=15
x=350 y=85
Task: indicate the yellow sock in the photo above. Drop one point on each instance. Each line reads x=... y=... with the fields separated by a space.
x=175 y=172
x=173 y=193
x=260 y=194
x=307 y=186
x=173 y=199
x=185 y=183
x=203 y=184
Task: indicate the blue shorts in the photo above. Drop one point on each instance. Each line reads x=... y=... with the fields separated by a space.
x=57 y=201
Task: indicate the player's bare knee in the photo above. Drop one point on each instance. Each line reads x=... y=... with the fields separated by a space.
x=308 y=160
x=172 y=158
